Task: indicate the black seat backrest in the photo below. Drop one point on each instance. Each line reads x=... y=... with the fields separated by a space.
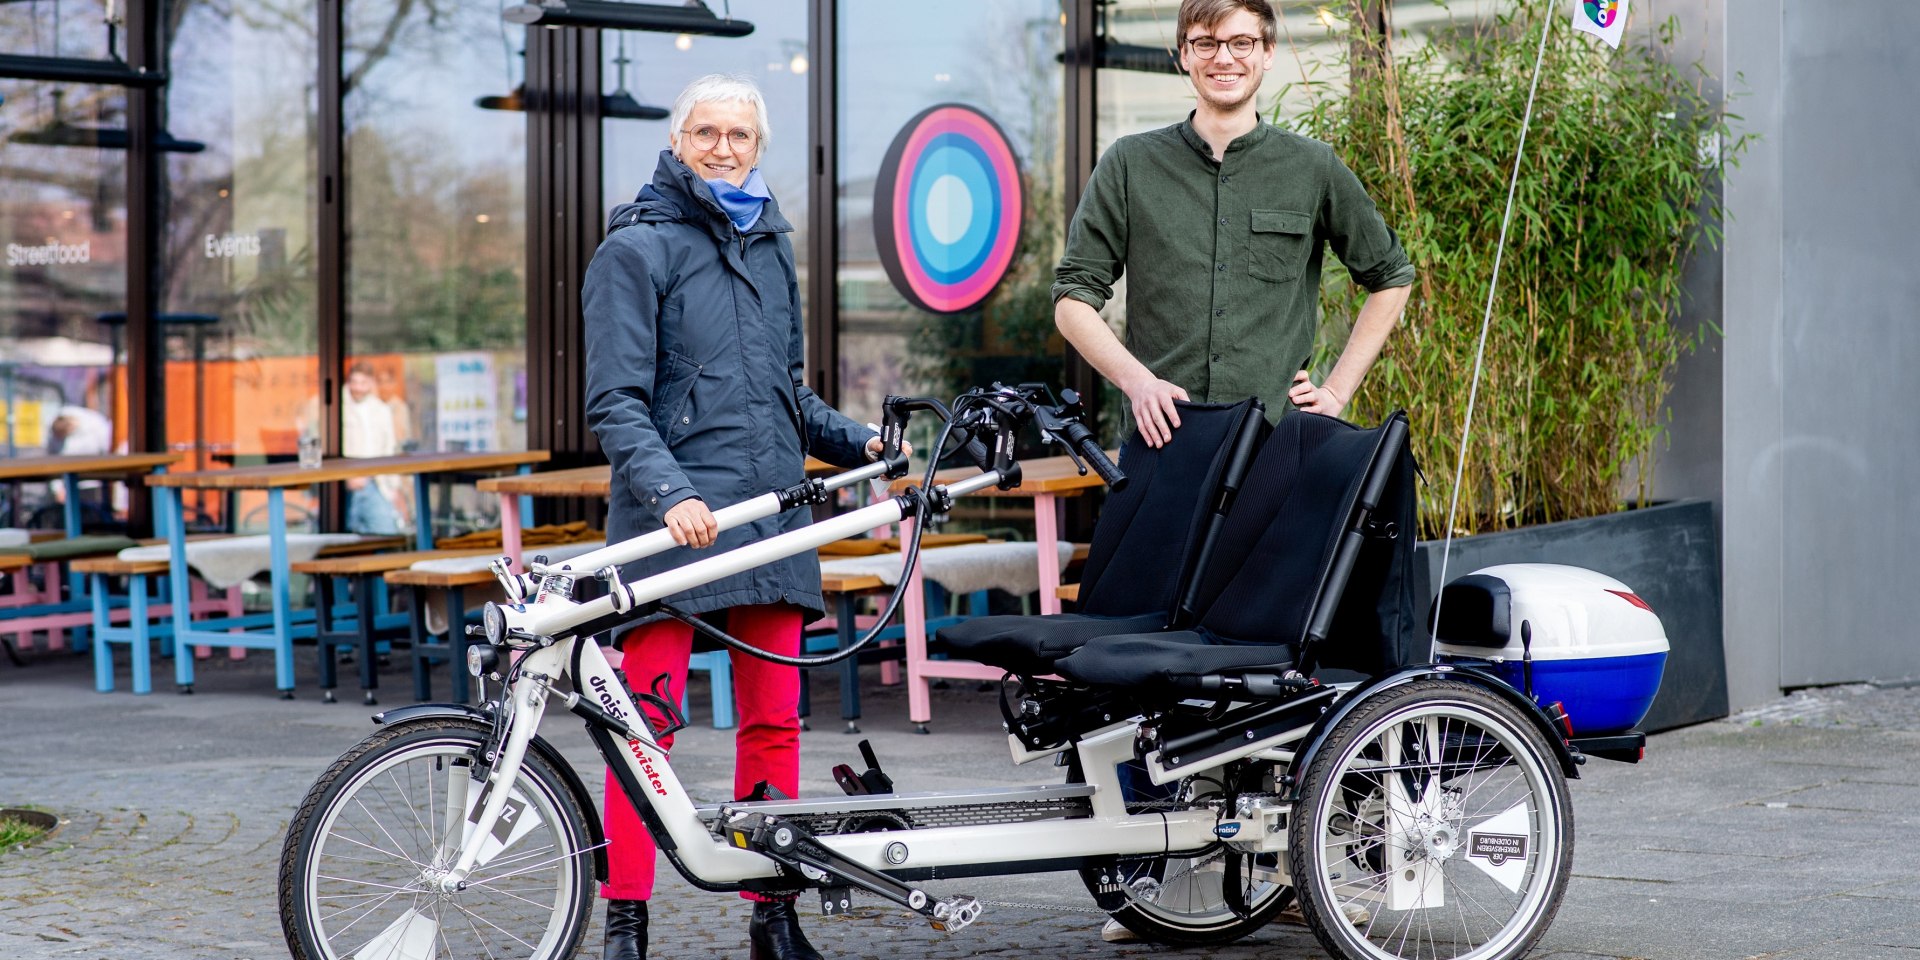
x=1319 y=546
x=1153 y=535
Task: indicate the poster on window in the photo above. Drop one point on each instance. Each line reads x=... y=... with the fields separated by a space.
x=466 y=415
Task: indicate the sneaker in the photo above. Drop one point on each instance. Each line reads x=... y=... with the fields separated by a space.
x=1117 y=932
x=1355 y=914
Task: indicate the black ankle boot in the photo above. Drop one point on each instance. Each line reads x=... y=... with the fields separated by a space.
x=626 y=930
x=775 y=933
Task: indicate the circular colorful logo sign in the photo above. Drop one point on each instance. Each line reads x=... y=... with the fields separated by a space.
x=1602 y=12
x=946 y=208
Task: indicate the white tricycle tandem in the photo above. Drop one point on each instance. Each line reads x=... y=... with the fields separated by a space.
x=1419 y=812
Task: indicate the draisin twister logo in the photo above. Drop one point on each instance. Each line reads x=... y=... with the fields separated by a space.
x=1601 y=12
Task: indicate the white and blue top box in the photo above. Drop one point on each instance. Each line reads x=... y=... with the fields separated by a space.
x=1595 y=646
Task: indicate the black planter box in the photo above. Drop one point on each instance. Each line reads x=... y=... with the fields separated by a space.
x=1667 y=553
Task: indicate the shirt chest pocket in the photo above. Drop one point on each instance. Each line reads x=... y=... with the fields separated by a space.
x=1277 y=244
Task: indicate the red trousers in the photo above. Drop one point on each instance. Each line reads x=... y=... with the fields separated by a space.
x=766 y=697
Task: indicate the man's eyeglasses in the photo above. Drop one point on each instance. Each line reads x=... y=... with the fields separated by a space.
x=1206 y=48
x=706 y=136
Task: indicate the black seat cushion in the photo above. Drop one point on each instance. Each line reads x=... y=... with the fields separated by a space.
x=1146 y=546
x=1028 y=646
x=1275 y=566
x=1169 y=661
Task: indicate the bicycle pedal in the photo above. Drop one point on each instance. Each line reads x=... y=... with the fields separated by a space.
x=874 y=779
x=762 y=791
x=849 y=781
x=953 y=914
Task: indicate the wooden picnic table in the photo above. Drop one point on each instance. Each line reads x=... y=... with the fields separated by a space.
x=275 y=479
x=271 y=476
x=517 y=493
x=103 y=465
x=70 y=469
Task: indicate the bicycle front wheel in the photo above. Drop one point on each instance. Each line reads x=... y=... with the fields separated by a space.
x=359 y=873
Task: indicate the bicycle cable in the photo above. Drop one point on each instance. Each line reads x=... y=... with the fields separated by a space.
x=911 y=556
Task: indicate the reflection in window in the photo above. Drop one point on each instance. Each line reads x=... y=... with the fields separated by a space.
x=63 y=236
x=238 y=274
x=1001 y=58
x=436 y=259
x=50 y=28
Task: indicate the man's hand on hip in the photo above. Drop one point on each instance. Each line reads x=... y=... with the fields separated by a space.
x=1153 y=410
x=1314 y=399
x=692 y=524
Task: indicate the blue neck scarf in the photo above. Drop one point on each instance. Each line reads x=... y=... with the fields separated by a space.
x=742 y=204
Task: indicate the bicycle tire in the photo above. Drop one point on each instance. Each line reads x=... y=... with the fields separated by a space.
x=1443 y=812
x=333 y=870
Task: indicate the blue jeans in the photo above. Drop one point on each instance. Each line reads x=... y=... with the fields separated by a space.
x=369 y=512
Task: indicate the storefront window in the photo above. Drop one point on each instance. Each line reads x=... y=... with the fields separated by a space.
x=63 y=241
x=951 y=289
x=239 y=200
x=436 y=259
x=50 y=28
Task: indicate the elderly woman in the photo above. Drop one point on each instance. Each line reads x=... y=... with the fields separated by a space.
x=694 y=389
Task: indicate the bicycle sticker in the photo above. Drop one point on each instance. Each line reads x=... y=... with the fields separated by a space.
x=1499 y=846
x=517 y=818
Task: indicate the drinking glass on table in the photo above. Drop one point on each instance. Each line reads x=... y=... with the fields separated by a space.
x=310 y=451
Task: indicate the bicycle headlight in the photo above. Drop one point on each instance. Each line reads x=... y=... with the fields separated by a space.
x=481 y=660
x=494 y=621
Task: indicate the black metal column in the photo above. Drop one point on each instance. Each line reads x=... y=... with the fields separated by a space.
x=330 y=256
x=146 y=340
x=563 y=230
x=1081 y=94
x=1082 y=149
x=823 y=202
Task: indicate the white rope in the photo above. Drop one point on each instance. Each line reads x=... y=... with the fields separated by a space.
x=1486 y=321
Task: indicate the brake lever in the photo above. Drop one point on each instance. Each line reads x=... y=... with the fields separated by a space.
x=1078 y=463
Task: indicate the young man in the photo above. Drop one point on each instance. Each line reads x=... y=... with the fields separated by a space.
x=1225 y=218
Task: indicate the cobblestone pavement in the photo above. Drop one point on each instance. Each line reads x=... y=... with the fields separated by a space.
x=1782 y=833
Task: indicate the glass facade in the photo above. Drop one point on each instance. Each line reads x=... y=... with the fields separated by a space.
x=54 y=30
x=428 y=347
x=63 y=249
x=238 y=283
x=436 y=247
x=1001 y=58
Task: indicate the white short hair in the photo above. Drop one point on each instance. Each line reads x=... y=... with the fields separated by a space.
x=720 y=87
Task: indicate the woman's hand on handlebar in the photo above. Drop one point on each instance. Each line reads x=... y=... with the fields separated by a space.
x=874 y=444
x=692 y=524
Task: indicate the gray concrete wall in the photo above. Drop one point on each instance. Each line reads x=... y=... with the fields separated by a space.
x=1752 y=529
x=1821 y=444
x=1850 y=450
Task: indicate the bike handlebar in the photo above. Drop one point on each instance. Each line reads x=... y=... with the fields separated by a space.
x=1081 y=439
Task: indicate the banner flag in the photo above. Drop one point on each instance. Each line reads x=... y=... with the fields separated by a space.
x=1606 y=19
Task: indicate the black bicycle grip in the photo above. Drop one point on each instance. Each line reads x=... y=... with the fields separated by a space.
x=1083 y=441
x=978 y=452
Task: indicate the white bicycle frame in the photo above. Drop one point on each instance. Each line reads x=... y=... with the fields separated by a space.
x=999 y=847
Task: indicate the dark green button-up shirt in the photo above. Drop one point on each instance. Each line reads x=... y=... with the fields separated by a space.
x=1225 y=292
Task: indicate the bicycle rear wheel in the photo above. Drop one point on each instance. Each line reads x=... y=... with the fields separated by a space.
x=1181 y=900
x=360 y=868
x=1443 y=812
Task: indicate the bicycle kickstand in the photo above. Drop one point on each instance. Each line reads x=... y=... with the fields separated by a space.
x=791 y=846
